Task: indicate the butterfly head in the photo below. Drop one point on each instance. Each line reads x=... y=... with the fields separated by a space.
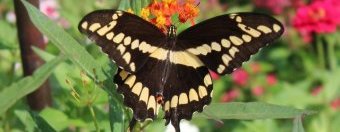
x=172 y=31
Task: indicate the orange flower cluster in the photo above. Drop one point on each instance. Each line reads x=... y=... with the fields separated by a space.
x=161 y=12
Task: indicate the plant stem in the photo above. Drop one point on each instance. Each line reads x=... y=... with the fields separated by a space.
x=94 y=118
x=331 y=55
x=30 y=36
x=320 y=52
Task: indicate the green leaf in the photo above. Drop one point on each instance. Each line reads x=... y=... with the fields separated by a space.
x=137 y=6
x=331 y=87
x=145 y=3
x=8 y=38
x=26 y=119
x=68 y=45
x=279 y=54
x=116 y=116
x=334 y=123
x=298 y=127
x=124 y=5
x=43 y=54
x=56 y=118
x=41 y=123
x=250 y=111
x=17 y=90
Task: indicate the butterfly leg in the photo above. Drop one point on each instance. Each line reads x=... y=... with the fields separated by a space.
x=132 y=124
x=175 y=120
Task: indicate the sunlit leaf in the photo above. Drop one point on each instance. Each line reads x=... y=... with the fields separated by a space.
x=56 y=118
x=41 y=123
x=26 y=119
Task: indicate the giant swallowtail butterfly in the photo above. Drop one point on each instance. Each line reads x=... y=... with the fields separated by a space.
x=170 y=71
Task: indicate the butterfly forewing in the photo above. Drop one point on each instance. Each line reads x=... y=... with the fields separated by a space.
x=224 y=42
x=126 y=38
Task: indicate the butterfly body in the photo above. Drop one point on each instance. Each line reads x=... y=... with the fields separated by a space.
x=169 y=71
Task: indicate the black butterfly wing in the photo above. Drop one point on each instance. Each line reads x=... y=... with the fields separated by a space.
x=188 y=91
x=140 y=89
x=182 y=81
x=223 y=43
x=184 y=89
x=126 y=38
x=138 y=94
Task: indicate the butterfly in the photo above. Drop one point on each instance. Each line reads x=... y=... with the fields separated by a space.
x=170 y=71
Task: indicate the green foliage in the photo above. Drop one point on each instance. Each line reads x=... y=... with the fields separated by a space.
x=10 y=95
x=26 y=119
x=69 y=46
x=58 y=119
x=7 y=38
x=78 y=55
x=41 y=123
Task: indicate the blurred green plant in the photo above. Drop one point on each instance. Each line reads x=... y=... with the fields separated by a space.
x=10 y=95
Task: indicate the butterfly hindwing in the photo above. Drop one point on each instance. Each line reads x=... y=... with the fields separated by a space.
x=137 y=95
x=224 y=42
x=188 y=91
x=184 y=89
x=126 y=38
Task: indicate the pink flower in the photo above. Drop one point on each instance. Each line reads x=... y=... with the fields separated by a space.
x=240 y=77
x=214 y=75
x=50 y=8
x=271 y=79
x=276 y=6
x=11 y=17
x=257 y=91
x=321 y=16
x=64 y=23
x=230 y=96
x=335 y=104
x=297 y=3
x=316 y=90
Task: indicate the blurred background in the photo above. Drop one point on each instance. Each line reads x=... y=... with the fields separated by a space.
x=301 y=69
